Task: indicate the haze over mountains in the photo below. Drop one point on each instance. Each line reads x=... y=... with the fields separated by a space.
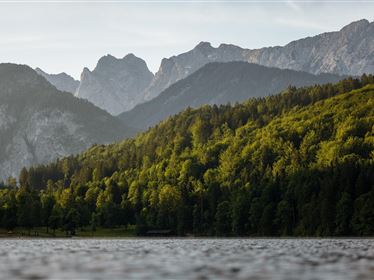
x=219 y=83
x=118 y=85
x=38 y=123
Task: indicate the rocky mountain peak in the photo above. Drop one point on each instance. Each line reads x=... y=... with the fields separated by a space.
x=111 y=65
x=356 y=26
x=106 y=61
x=39 y=71
x=204 y=46
x=229 y=47
x=116 y=84
x=85 y=72
x=85 y=75
x=61 y=81
x=131 y=57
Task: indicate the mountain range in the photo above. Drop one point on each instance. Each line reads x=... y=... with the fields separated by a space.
x=349 y=51
x=219 y=83
x=118 y=85
x=39 y=123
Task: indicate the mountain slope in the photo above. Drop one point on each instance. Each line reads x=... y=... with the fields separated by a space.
x=219 y=83
x=62 y=81
x=349 y=51
x=115 y=85
x=39 y=124
x=299 y=163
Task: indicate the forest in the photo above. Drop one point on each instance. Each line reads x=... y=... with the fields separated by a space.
x=300 y=163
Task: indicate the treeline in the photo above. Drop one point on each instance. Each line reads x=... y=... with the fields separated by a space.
x=298 y=163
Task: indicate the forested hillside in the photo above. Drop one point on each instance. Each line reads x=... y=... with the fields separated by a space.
x=299 y=163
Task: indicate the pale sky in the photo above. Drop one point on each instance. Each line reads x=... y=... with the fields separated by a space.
x=67 y=35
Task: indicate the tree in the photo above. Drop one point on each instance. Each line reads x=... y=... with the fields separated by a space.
x=55 y=218
x=169 y=202
x=223 y=219
x=363 y=218
x=200 y=131
x=93 y=222
x=25 y=209
x=24 y=178
x=9 y=219
x=71 y=221
x=344 y=210
x=284 y=218
x=47 y=203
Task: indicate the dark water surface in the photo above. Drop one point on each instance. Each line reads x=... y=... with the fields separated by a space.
x=187 y=259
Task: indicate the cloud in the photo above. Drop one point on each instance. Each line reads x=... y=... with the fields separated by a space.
x=294 y=6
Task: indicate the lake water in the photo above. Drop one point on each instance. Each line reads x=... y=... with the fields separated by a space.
x=336 y=259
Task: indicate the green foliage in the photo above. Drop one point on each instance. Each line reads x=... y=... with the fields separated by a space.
x=223 y=218
x=298 y=163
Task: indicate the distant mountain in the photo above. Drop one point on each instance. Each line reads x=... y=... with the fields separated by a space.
x=39 y=124
x=219 y=83
x=349 y=51
x=62 y=81
x=115 y=85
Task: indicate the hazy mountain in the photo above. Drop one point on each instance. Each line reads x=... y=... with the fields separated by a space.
x=39 y=124
x=61 y=81
x=115 y=85
x=349 y=51
x=219 y=83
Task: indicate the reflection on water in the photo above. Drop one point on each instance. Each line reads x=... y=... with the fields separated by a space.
x=187 y=259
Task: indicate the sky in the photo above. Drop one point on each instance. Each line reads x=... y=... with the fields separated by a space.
x=68 y=35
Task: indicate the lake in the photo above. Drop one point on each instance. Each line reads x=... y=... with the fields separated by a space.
x=187 y=259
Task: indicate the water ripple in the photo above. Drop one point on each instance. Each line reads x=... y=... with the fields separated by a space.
x=279 y=259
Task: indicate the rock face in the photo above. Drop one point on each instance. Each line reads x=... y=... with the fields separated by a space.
x=62 y=81
x=115 y=85
x=39 y=124
x=219 y=83
x=349 y=51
